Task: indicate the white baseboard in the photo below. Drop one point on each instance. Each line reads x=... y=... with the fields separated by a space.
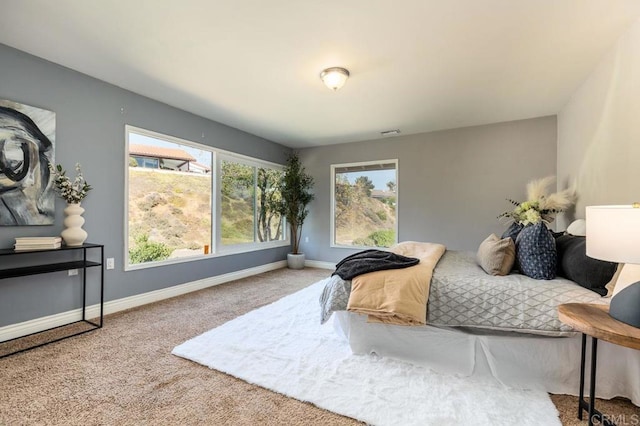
x=319 y=264
x=39 y=324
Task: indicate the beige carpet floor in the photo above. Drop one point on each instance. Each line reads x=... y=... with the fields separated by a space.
x=124 y=373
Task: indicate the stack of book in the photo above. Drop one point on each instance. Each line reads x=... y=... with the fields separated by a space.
x=37 y=243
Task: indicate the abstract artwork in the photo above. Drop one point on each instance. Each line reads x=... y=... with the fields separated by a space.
x=27 y=142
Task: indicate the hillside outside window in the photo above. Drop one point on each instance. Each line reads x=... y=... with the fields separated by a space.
x=364 y=204
x=187 y=201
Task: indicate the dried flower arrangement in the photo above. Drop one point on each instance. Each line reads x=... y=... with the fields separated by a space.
x=71 y=191
x=540 y=205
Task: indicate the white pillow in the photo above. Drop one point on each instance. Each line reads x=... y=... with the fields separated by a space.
x=578 y=228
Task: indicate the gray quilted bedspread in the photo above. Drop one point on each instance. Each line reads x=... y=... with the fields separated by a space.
x=463 y=295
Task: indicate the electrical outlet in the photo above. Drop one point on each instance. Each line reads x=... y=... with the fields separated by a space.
x=110 y=263
x=306 y=239
x=73 y=272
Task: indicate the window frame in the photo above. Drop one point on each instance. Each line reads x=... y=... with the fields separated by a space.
x=216 y=248
x=332 y=225
x=240 y=247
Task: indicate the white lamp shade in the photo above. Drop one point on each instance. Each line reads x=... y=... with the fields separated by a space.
x=613 y=233
x=334 y=78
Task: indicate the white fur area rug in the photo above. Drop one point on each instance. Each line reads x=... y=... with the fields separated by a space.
x=283 y=347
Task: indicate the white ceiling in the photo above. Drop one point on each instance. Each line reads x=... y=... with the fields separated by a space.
x=416 y=65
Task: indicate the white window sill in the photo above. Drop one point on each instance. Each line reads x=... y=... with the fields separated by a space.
x=224 y=251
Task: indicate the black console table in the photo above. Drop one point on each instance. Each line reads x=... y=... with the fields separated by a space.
x=46 y=265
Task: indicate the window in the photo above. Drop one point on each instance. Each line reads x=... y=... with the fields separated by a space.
x=187 y=201
x=149 y=163
x=249 y=198
x=364 y=204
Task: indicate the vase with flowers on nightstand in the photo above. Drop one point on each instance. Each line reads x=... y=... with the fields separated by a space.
x=73 y=192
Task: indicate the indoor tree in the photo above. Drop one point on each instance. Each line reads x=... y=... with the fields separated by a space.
x=295 y=192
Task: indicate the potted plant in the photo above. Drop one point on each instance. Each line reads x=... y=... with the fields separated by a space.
x=294 y=189
x=73 y=192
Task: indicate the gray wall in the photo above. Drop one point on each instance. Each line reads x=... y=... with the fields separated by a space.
x=451 y=184
x=90 y=119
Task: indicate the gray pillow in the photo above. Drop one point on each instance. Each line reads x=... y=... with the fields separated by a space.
x=574 y=264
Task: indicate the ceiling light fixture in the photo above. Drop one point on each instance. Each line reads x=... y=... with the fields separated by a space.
x=334 y=77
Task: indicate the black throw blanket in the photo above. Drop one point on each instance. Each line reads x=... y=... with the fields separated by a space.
x=371 y=261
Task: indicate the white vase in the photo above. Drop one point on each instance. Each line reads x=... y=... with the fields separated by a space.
x=73 y=234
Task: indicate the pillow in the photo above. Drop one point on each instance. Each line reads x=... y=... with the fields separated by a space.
x=574 y=264
x=578 y=227
x=415 y=249
x=496 y=256
x=536 y=252
x=513 y=231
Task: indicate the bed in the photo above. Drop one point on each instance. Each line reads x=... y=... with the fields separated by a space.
x=478 y=325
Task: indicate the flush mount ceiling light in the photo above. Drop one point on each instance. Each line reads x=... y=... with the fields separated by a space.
x=335 y=77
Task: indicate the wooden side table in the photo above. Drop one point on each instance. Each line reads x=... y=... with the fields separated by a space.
x=595 y=321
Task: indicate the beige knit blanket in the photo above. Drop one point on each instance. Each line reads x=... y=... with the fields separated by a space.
x=397 y=296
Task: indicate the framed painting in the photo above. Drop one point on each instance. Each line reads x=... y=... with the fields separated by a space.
x=27 y=144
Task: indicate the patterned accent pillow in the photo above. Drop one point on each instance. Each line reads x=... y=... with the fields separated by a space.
x=536 y=252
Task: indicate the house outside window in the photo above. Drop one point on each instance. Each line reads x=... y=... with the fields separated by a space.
x=174 y=157
x=364 y=204
x=148 y=163
x=184 y=202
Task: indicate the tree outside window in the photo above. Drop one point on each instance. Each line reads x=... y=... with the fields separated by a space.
x=365 y=204
x=249 y=197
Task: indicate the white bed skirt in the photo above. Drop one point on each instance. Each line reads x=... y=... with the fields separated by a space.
x=516 y=360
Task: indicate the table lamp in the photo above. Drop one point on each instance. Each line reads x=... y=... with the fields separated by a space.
x=613 y=234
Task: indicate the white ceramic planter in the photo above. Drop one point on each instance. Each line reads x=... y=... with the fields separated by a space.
x=295 y=261
x=74 y=235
